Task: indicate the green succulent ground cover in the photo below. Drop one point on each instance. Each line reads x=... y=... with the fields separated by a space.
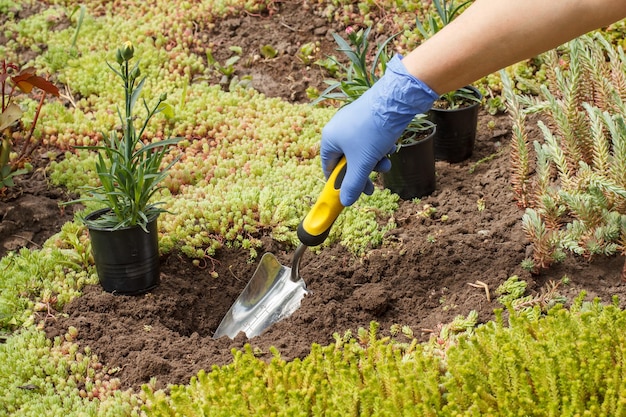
x=567 y=363
x=257 y=176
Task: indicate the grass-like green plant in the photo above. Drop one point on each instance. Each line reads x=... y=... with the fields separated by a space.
x=129 y=170
x=445 y=11
x=360 y=74
x=419 y=128
x=363 y=70
x=79 y=22
x=456 y=99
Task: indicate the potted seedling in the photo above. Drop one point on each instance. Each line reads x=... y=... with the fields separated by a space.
x=123 y=232
x=456 y=112
x=456 y=117
x=412 y=173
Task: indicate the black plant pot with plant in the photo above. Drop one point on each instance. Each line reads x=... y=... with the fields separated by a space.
x=127 y=259
x=455 y=113
x=413 y=165
x=412 y=174
x=457 y=120
x=123 y=231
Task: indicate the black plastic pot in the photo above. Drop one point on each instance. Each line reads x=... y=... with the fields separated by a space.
x=412 y=173
x=127 y=260
x=456 y=131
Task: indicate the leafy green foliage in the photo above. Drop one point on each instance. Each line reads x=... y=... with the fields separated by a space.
x=129 y=170
x=359 y=75
x=584 y=212
x=463 y=97
x=227 y=70
x=445 y=11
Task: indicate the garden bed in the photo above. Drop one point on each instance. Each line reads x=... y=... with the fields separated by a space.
x=419 y=277
x=467 y=232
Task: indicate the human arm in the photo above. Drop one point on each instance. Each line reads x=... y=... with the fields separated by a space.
x=489 y=35
x=492 y=34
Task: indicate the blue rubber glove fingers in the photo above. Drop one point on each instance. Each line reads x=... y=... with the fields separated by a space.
x=362 y=158
x=366 y=130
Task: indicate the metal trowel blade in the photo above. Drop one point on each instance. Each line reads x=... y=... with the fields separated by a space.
x=269 y=296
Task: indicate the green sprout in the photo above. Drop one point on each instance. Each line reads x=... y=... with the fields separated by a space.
x=129 y=170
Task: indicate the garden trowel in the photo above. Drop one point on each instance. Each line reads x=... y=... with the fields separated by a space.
x=275 y=291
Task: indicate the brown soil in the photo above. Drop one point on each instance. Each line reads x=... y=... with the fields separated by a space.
x=30 y=212
x=419 y=277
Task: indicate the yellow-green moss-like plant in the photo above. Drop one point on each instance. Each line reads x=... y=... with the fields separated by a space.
x=40 y=377
x=356 y=376
x=31 y=281
x=570 y=363
x=565 y=363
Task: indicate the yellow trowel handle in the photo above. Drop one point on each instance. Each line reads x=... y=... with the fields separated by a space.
x=316 y=225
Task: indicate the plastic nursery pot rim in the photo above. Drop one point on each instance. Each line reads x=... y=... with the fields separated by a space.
x=95 y=214
x=431 y=133
x=471 y=106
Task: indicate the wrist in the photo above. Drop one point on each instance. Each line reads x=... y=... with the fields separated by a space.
x=400 y=96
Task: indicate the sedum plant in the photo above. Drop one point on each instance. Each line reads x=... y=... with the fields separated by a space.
x=363 y=374
x=583 y=209
x=39 y=376
x=130 y=170
x=565 y=363
x=568 y=363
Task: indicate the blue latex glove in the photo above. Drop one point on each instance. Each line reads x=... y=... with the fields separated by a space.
x=366 y=130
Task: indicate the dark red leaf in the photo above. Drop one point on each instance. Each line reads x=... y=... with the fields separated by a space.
x=27 y=71
x=44 y=84
x=25 y=81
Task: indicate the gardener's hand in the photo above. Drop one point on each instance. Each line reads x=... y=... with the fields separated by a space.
x=366 y=130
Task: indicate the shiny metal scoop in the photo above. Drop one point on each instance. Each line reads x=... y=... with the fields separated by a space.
x=273 y=293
